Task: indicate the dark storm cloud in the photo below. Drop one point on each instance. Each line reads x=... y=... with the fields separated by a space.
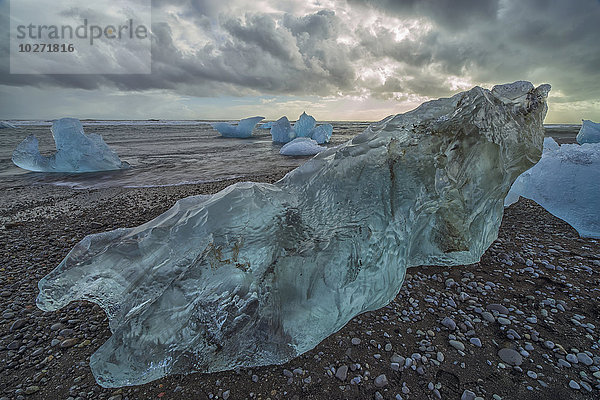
x=256 y=52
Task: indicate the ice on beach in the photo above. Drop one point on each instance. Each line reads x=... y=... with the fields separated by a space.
x=301 y=146
x=260 y=273
x=566 y=182
x=282 y=131
x=266 y=125
x=76 y=151
x=322 y=133
x=241 y=130
x=305 y=125
x=589 y=132
x=6 y=125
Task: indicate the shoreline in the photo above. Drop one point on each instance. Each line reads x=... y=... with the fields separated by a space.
x=46 y=355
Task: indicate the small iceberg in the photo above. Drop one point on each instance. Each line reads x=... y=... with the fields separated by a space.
x=6 y=125
x=589 y=132
x=266 y=125
x=301 y=146
x=242 y=130
x=76 y=151
x=282 y=131
x=306 y=126
x=566 y=182
x=322 y=133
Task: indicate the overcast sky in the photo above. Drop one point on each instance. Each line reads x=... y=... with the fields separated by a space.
x=336 y=59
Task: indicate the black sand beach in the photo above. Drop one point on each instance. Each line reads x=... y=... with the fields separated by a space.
x=535 y=291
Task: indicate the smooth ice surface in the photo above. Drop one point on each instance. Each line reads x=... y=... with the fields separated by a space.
x=76 y=151
x=322 y=133
x=301 y=146
x=242 y=129
x=566 y=182
x=260 y=273
x=589 y=132
x=5 y=125
x=282 y=131
x=305 y=125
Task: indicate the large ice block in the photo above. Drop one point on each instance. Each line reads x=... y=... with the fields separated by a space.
x=566 y=182
x=76 y=151
x=241 y=130
x=260 y=273
x=589 y=132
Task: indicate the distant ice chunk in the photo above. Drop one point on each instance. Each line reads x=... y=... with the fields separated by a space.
x=266 y=125
x=76 y=151
x=322 y=133
x=301 y=146
x=282 y=131
x=566 y=182
x=6 y=125
x=589 y=132
x=305 y=125
x=242 y=130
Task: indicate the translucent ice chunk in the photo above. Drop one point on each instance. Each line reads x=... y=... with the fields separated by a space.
x=301 y=146
x=589 y=132
x=282 y=131
x=266 y=125
x=566 y=182
x=305 y=125
x=260 y=273
x=322 y=133
x=241 y=130
x=76 y=151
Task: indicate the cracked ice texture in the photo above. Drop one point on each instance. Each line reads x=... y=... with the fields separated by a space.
x=589 y=132
x=260 y=273
x=566 y=182
x=301 y=146
x=242 y=130
x=76 y=151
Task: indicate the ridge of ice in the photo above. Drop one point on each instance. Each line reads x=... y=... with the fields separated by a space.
x=259 y=273
x=6 y=125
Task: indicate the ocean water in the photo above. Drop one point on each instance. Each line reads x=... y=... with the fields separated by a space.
x=161 y=153
x=164 y=153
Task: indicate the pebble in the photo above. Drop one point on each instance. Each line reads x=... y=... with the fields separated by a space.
x=574 y=385
x=467 y=395
x=510 y=356
x=18 y=324
x=449 y=323
x=584 y=359
x=475 y=341
x=572 y=358
x=381 y=381
x=488 y=316
x=355 y=341
x=457 y=345
x=68 y=343
x=504 y=321
x=342 y=373
x=497 y=307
